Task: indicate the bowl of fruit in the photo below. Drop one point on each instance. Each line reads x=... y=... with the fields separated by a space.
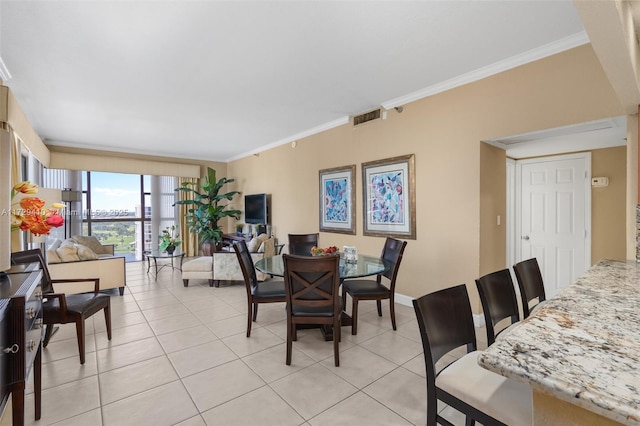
x=327 y=251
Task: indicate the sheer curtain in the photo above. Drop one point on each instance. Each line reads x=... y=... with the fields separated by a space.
x=66 y=179
x=163 y=211
x=190 y=245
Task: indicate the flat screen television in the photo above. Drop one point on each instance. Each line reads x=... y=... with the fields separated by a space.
x=256 y=208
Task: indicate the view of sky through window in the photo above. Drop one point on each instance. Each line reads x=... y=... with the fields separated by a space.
x=115 y=191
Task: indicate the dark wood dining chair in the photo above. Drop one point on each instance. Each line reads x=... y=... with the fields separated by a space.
x=60 y=308
x=311 y=286
x=375 y=289
x=446 y=323
x=301 y=244
x=498 y=298
x=530 y=284
x=271 y=291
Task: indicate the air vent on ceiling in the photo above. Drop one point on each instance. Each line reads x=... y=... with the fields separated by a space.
x=367 y=116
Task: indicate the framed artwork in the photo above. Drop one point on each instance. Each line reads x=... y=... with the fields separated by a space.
x=389 y=197
x=337 y=200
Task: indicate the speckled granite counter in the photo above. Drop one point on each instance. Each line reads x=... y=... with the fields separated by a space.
x=583 y=345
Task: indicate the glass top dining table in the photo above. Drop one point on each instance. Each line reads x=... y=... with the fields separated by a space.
x=365 y=266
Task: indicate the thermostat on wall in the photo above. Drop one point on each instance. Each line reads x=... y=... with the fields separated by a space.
x=599 y=181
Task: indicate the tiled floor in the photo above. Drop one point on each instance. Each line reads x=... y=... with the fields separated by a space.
x=180 y=356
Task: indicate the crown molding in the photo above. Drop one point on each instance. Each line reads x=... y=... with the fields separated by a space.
x=558 y=46
x=314 y=130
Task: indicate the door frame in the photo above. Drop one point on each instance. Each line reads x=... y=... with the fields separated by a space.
x=514 y=233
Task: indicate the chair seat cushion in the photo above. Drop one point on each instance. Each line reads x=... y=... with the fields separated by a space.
x=503 y=399
x=364 y=288
x=305 y=311
x=269 y=289
x=77 y=305
x=201 y=264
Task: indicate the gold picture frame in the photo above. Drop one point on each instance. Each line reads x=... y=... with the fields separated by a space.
x=338 y=199
x=389 y=197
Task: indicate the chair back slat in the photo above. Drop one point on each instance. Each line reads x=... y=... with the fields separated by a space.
x=301 y=244
x=498 y=298
x=392 y=253
x=530 y=283
x=312 y=281
x=445 y=321
x=246 y=264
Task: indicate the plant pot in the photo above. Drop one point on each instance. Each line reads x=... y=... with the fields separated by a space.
x=209 y=247
x=171 y=249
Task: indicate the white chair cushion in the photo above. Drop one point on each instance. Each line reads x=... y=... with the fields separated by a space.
x=503 y=399
x=201 y=264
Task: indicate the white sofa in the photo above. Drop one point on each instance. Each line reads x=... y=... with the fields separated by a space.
x=84 y=257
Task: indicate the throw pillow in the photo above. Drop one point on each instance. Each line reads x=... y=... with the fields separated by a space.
x=68 y=252
x=52 y=257
x=85 y=253
x=91 y=242
x=253 y=245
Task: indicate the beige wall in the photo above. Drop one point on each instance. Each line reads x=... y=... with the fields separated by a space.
x=454 y=235
x=493 y=203
x=608 y=210
x=444 y=132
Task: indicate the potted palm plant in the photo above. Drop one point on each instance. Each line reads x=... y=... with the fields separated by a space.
x=207 y=208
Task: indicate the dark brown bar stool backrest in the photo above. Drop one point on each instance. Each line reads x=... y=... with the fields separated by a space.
x=530 y=283
x=498 y=297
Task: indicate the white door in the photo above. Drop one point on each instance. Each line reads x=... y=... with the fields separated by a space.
x=555 y=216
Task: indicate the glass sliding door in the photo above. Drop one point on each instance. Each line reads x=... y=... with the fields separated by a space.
x=128 y=211
x=114 y=210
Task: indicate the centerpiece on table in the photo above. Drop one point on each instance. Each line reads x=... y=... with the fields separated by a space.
x=169 y=239
x=327 y=251
x=30 y=213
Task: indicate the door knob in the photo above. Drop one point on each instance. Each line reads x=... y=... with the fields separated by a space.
x=526 y=238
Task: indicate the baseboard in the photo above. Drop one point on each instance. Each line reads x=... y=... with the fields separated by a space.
x=401 y=299
x=404 y=300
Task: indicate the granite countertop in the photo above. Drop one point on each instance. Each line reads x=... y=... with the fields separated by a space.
x=583 y=345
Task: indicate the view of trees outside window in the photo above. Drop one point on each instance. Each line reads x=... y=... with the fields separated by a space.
x=126 y=210
x=118 y=210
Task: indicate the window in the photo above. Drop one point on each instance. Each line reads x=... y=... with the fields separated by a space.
x=126 y=210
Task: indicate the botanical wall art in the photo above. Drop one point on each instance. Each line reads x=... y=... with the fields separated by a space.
x=337 y=200
x=389 y=197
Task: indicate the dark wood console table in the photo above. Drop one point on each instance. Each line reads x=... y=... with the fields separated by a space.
x=229 y=239
x=21 y=333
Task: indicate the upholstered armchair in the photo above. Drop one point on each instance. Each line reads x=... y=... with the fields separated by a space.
x=224 y=265
x=227 y=268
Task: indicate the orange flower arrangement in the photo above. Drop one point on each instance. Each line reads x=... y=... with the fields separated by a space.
x=32 y=215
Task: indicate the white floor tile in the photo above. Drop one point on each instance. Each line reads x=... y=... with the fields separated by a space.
x=180 y=356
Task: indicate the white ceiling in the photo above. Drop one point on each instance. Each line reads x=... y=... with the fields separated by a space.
x=218 y=80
